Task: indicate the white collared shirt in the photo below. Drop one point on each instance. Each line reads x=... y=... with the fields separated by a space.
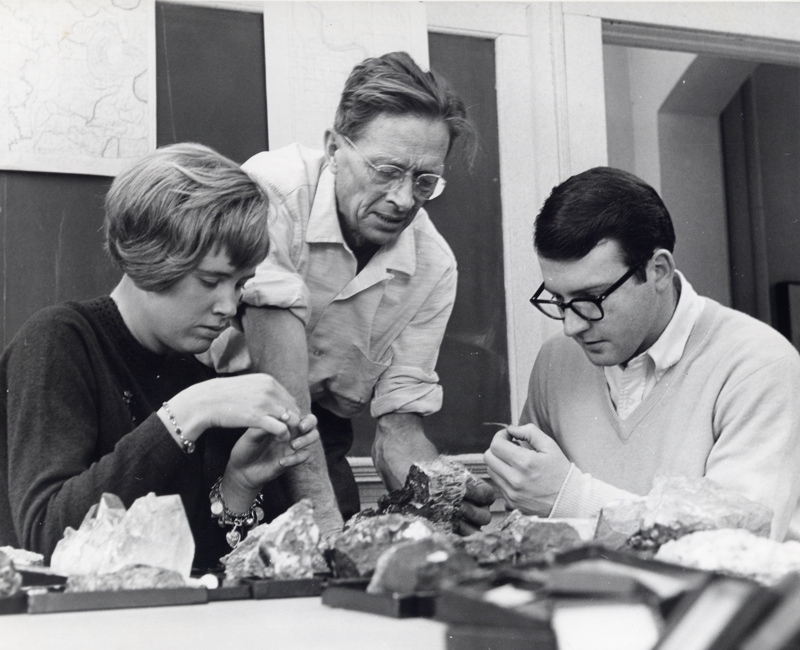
x=629 y=385
x=374 y=336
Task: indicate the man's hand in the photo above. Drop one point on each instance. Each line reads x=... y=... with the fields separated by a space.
x=529 y=468
x=475 y=507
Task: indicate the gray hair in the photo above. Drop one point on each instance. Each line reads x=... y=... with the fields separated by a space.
x=394 y=84
x=168 y=210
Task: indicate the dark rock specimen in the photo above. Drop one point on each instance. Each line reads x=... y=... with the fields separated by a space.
x=520 y=538
x=419 y=567
x=433 y=490
x=354 y=552
x=539 y=540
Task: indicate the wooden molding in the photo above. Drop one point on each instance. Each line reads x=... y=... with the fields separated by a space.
x=736 y=46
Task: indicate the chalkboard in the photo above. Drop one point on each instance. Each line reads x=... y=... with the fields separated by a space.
x=211 y=80
x=52 y=243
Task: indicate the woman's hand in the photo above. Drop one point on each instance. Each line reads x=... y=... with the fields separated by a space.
x=255 y=401
x=259 y=457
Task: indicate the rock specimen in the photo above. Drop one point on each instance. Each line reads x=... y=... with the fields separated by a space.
x=20 y=557
x=10 y=579
x=433 y=490
x=354 y=552
x=137 y=576
x=419 y=566
x=520 y=538
x=154 y=531
x=539 y=539
x=287 y=547
x=735 y=552
x=491 y=546
x=677 y=506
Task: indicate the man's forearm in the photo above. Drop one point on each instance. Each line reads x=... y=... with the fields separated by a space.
x=276 y=342
x=400 y=441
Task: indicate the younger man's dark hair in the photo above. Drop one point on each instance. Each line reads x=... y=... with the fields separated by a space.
x=598 y=204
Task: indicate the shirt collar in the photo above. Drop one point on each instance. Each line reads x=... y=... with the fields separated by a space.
x=323 y=227
x=669 y=347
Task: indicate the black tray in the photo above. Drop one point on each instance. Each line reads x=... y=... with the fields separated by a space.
x=45 y=601
x=40 y=576
x=296 y=588
x=469 y=637
x=666 y=583
x=352 y=594
x=462 y=602
x=231 y=592
x=16 y=604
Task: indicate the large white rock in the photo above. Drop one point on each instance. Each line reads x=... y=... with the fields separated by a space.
x=154 y=531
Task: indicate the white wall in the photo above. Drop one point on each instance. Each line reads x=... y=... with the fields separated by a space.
x=664 y=127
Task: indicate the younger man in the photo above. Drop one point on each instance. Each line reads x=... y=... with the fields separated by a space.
x=651 y=378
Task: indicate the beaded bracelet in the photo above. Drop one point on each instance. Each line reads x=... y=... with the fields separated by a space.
x=242 y=522
x=187 y=445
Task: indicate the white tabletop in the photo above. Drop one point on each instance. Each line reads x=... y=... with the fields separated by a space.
x=292 y=623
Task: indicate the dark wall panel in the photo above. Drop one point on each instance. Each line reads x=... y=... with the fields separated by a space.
x=211 y=84
x=52 y=243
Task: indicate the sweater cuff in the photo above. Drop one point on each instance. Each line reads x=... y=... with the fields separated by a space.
x=582 y=496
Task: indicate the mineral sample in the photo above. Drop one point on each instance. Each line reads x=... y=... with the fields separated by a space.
x=129 y=577
x=520 y=538
x=539 y=539
x=20 y=557
x=10 y=579
x=154 y=531
x=433 y=490
x=677 y=506
x=287 y=547
x=355 y=551
x=491 y=546
x=419 y=566
x=735 y=552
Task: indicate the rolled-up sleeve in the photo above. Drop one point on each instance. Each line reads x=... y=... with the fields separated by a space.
x=410 y=384
x=277 y=281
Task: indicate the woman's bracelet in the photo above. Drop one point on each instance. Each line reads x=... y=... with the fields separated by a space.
x=242 y=522
x=187 y=445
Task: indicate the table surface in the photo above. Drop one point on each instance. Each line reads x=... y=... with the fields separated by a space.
x=292 y=623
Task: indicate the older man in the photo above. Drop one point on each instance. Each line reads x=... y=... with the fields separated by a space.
x=350 y=308
x=651 y=378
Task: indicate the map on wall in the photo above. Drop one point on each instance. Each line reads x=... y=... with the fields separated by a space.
x=74 y=84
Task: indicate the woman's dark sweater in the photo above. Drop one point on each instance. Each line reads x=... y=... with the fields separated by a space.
x=79 y=396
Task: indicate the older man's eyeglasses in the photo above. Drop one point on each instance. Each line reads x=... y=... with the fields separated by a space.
x=425 y=186
x=590 y=309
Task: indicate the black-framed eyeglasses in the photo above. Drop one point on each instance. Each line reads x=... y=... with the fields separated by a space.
x=590 y=309
x=425 y=186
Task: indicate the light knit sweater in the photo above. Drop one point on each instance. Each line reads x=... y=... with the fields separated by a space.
x=729 y=410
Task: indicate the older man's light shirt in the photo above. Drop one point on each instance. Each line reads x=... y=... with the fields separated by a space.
x=629 y=385
x=378 y=330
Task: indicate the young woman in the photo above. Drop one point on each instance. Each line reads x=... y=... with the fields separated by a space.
x=107 y=396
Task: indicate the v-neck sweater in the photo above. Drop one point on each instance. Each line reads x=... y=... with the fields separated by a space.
x=728 y=410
